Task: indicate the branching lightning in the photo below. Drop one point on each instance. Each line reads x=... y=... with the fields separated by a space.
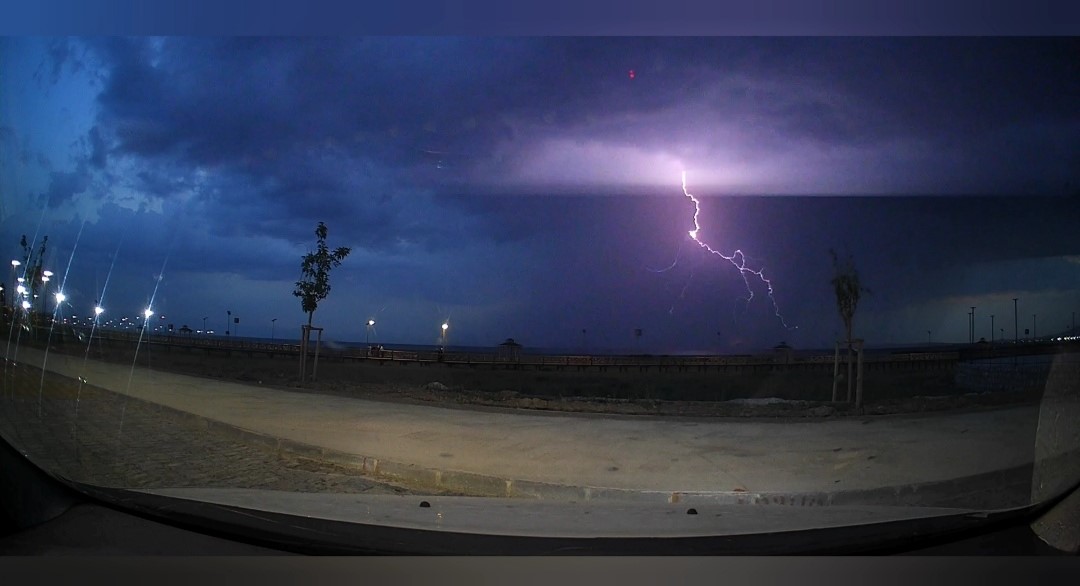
x=736 y=258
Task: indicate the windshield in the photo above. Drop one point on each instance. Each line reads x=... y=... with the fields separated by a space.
x=631 y=272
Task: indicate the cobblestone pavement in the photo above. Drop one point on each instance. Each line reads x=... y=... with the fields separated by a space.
x=74 y=431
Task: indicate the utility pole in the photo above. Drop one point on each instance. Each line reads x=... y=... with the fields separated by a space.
x=991 y=327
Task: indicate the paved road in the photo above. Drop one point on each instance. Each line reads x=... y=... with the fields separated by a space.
x=432 y=446
x=155 y=449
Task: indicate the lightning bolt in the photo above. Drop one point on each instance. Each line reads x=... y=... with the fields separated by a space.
x=736 y=258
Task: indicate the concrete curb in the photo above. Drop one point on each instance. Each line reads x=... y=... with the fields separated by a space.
x=993 y=490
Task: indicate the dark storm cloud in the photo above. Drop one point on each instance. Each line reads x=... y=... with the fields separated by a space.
x=97 y=146
x=268 y=109
x=65 y=185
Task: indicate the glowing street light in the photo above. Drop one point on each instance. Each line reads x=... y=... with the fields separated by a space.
x=98 y=310
x=21 y=289
x=147 y=313
x=370 y=324
x=47 y=273
x=25 y=304
x=60 y=297
x=14 y=264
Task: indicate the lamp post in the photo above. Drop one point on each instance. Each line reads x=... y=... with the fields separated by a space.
x=445 y=327
x=14 y=267
x=991 y=328
x=370 y=324
x=228 y=321
x=273 y=325
x=1034 y=327
x=204 y=325
x=1016 y=324
x=60 y=298
x=973 y=324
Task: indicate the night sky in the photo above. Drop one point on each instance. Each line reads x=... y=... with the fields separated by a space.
x=531 y=188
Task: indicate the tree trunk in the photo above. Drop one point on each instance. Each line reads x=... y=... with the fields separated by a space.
x=849 y=364
x=859 y=378
x=849 y=369
x=835 y=371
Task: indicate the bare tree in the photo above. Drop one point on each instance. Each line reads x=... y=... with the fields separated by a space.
x=848 y=290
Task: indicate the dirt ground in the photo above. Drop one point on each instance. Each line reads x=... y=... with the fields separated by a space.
x=695 y=394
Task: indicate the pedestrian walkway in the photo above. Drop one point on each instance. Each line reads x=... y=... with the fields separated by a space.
x=569 y=456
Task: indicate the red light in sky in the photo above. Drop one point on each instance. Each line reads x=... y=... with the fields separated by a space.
x=632 y=74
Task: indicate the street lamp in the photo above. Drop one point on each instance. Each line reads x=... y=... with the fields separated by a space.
x=204 y=324
x=445 y=327
x=228 y=321
x=273 y=325
x=972 y=323
x=1016 y=324
x=14 y=265
x=370 y=324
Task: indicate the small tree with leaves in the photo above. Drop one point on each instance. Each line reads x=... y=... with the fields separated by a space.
x=848 y=290
x=313 y=287
x=315 y=267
